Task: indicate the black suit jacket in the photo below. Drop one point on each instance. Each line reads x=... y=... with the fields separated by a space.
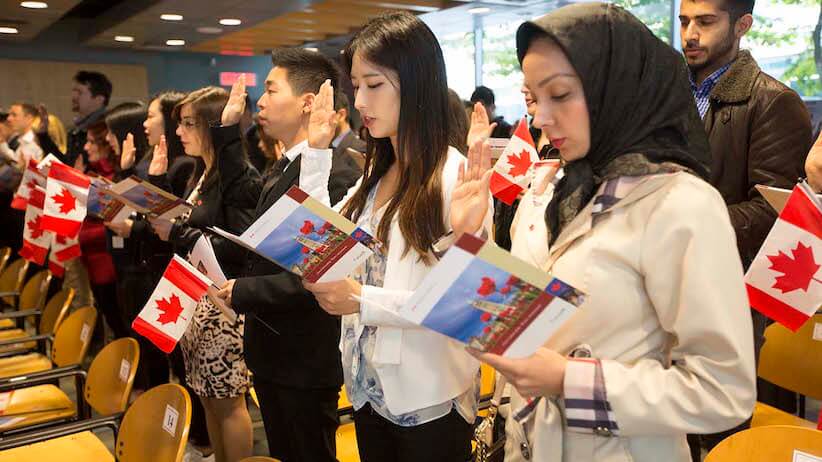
x=289 y=339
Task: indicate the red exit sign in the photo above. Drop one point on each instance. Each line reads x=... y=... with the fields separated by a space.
x=227 y=79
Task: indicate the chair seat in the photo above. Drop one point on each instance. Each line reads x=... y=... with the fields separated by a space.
x=34 y=405
x=24 y=364
x=347 y=450
x=7 y=323
x=83 y=446
x=769 y=415
x=9 y=334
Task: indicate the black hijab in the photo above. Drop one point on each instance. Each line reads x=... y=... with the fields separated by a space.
x=642 y=113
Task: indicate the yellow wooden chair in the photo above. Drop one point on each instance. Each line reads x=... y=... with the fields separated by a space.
x=767 y=444
x=69 y=346
x=5 y=256
x=50 y=317
x=791 y=360
x=36 y=401
x=32 y=296
x=11 y=282
x=154 y=428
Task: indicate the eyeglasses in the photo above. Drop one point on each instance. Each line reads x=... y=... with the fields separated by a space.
x=187 y=124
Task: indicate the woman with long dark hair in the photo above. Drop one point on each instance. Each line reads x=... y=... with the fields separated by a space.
x=660 y=347
x=212 y=346
x=414 y=391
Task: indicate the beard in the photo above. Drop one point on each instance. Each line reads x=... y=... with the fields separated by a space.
x=715 y=54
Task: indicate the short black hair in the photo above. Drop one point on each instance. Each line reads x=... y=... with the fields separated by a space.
x=484 y=95
x=307 y=70
x=341 y=102
x=98 y=84
x=28 y=108
x=737 y=8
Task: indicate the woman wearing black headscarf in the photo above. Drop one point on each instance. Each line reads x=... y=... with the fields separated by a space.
x=662 y=344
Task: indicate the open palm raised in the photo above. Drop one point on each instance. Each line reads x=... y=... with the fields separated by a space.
x=471 y=197
x=323 y=120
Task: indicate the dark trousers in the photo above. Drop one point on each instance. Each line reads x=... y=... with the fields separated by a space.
x=300 y=424
x=447 y=439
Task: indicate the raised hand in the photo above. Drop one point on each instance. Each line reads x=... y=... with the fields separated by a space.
x=471 y=196
x=128 y=153
x=43 y=113
x=159 y=161
x=813 y=165
x=322 y=123
x=235 y=107
x=481 y=128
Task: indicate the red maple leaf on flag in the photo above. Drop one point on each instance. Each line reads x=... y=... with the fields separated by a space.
x=34 y=227
x=170 y=309
x=60 y=239
x=66 y=201
x=519 y=163
x=797 y=272
x=31 y=184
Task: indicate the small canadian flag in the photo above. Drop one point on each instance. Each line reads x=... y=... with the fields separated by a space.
x=31 y=178
x=783 y=281
x=57 y=268
x=170 y=309
x=66 y=195
x=510 y=175
x=64 y=248
x=35 y=239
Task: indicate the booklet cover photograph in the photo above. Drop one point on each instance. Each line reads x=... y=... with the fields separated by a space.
x=306 y=244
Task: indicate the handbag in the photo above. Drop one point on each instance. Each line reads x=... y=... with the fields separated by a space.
x=489 y=433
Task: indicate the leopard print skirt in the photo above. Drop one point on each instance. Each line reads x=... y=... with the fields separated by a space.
x=213 y=353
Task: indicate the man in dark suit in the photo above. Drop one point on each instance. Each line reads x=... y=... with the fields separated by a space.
x=291 y=344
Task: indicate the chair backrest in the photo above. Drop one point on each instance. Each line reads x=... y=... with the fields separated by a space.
x=55 y=311
x=11 y=280
x=73 y=337
x=767 y=444
x=5 y=256
x=791 y=359
x=34 y=292
x=155 y=426
x=111 y=376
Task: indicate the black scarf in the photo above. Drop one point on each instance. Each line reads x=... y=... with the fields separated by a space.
x=643 y=117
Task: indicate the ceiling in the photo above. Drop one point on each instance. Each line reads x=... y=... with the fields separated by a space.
x=30 y=22
x=265 y=24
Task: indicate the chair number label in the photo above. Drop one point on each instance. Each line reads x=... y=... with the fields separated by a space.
x=84 y=333
x=170 y=420
x=125 y=368
x=817 y=331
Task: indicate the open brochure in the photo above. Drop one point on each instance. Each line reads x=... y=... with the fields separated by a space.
x=304 y=236
x=203 y=258
x=490 y=300
x=148 y=199
x=102 y=204
x=777 y=197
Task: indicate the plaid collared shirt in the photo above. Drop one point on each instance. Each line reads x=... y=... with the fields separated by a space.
x=702 y=93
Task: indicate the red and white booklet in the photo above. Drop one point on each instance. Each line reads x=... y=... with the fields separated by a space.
x=485 y=297
x=307 y=238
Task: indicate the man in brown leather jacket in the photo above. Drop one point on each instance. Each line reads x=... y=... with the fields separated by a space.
x=758 y=128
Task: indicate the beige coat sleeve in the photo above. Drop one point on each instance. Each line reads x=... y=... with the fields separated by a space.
x=693 y=278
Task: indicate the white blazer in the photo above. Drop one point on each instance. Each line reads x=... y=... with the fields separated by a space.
x=417 y=367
